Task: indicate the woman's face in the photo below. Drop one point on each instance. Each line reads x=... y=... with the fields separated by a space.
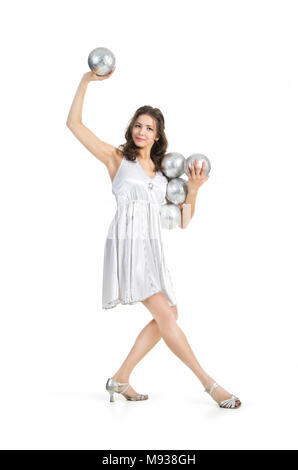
x=144 y=131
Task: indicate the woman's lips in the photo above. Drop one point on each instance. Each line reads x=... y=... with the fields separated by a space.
x=139 y=138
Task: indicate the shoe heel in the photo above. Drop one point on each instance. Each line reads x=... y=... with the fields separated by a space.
x=112 y=386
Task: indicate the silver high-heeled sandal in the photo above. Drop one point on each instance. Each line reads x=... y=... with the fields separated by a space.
x=229 y=403
x=112 y=386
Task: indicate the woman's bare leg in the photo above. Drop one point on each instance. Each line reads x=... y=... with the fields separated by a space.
x=176 y=340
x=146 y=340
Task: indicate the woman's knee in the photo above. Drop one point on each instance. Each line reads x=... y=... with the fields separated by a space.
x=159 y=307
x=175 y=311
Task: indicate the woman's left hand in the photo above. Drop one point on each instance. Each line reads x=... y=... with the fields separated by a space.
x=196 y=176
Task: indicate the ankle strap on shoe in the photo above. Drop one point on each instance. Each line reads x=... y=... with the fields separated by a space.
x=124 y=390
x=210 y=391
x=120 y=384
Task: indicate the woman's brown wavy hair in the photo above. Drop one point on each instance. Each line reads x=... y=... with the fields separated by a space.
x=159 y=148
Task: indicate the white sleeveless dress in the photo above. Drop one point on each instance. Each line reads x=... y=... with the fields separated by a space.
x=134 y=262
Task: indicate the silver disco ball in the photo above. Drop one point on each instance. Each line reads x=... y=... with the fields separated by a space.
x=173 y=164
x=102 y=58
x=200 y=157
x=177 y=190
x=170 y=216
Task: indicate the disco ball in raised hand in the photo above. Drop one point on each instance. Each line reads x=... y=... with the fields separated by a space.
x=177 y=190
x=173 y=164
x=101 y=59
x=200 y=157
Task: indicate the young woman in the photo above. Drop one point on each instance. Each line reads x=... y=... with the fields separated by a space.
x=135 y=269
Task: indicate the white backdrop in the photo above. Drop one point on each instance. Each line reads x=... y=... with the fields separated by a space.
x=224 y=74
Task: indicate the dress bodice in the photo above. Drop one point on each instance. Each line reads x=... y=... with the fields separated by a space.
x=132 y=183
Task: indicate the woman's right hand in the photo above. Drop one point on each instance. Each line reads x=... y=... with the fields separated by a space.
x=91 y=76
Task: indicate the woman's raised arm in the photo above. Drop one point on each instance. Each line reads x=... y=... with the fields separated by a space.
x=101 y=150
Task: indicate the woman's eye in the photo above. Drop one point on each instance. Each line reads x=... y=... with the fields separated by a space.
x=138 y=125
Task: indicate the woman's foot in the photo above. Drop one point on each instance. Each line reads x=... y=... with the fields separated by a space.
x=219 y=394
x=130 y=392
